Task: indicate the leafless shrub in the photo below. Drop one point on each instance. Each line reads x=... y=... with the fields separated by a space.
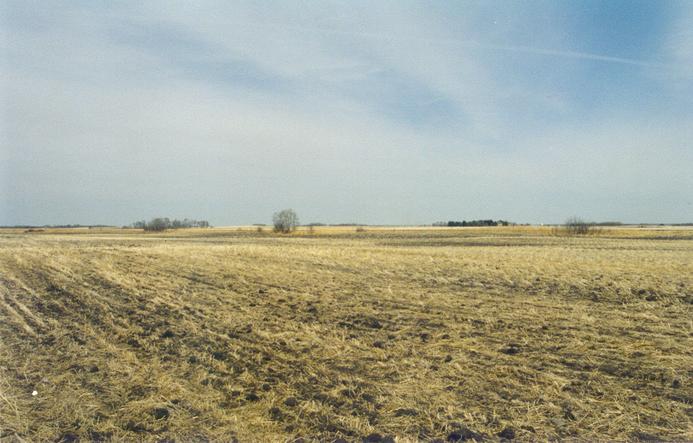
x=577 y=226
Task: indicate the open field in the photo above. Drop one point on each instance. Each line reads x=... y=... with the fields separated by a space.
x=416 y=334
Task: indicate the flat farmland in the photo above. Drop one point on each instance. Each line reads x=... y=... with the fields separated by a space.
x=409 y=334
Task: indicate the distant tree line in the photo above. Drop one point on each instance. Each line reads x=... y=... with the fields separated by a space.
x=465 y=223
x=56 y=226
x=318 y=224
x=163 y=223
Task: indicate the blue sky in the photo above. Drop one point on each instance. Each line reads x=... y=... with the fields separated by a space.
x=372 y=112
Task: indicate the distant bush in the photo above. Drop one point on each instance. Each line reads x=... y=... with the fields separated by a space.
x=578 y=226
x=285 y=221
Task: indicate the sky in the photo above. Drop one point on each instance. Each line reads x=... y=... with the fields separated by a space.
x=377 y=112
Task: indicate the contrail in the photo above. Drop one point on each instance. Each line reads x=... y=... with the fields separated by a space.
x=476 y=44
x=568 y=54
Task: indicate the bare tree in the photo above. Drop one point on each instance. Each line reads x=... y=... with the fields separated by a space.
x=285 y=221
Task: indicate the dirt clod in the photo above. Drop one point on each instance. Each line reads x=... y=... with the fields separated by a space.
x=374 y=323
x=275 y=413
x=511 y=349
x=67 y=438
x=219 y=355
x=160 y=413
x=464 y=434
x=377 y=438
x=507 y=434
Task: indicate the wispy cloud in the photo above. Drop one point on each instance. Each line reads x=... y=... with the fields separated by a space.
x=679 y=45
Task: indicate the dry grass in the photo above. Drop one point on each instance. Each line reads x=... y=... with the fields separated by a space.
x=410 y=333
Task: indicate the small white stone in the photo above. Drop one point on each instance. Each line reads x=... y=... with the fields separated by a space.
x=35 y=393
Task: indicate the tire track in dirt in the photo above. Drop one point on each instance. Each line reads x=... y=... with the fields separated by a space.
x=19 y=313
